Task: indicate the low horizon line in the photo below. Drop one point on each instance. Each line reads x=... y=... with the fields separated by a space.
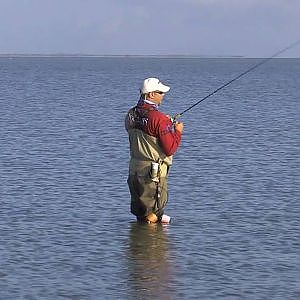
x=128 y=55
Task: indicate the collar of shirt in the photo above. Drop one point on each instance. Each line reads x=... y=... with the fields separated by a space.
x=143 y=101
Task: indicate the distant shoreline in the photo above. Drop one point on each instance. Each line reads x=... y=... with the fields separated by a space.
x=41 y=55
x=118 y=55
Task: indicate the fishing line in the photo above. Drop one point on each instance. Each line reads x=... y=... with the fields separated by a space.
x=177 y=116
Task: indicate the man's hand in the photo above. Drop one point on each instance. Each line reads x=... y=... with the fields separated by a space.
x=179 y=126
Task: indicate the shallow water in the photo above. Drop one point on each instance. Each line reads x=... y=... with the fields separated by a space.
x=66 y=230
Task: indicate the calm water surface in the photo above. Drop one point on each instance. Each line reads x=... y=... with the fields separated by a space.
x=65 y=227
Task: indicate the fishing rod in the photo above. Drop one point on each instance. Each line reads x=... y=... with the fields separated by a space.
x=178 y=115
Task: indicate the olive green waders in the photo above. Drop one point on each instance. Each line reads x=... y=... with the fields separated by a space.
x=147 y=196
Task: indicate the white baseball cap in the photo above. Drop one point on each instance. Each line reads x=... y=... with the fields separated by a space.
x=152 y=85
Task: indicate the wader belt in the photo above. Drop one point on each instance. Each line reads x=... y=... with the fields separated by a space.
x=143 y=168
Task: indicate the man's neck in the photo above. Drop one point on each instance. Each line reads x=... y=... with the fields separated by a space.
x=150 y=102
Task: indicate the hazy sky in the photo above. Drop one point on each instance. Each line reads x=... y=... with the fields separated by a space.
x=198 y=27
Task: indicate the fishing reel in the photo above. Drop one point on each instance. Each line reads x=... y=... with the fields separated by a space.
x=175 y=119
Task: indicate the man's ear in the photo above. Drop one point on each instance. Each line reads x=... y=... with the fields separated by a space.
x=151 y=95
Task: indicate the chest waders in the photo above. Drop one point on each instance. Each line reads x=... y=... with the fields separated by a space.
x=148 y=169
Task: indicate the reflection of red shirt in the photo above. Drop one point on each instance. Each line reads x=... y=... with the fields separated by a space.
x=160 y=126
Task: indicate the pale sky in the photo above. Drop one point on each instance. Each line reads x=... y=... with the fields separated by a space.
x=251 y=28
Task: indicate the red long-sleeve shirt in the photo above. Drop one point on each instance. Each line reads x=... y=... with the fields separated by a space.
x=160 y=126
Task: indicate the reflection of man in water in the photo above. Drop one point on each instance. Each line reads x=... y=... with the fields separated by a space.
x=150 y=272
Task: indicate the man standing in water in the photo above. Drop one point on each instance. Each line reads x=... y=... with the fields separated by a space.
x=153 y=139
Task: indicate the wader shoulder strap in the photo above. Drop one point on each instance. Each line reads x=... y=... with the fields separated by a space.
x=137 y=118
